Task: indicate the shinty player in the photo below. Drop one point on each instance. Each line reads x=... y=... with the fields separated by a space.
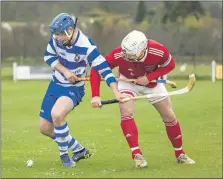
x=68 y=52
x=144 y=60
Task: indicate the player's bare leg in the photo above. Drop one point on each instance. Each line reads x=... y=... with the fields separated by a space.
x=130 y=132
x=61 y=108
x=46 y=128
x=173 y=130
x=61 y=130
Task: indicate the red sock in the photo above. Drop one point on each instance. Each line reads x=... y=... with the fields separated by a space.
x=174 y=134
x=130 y=132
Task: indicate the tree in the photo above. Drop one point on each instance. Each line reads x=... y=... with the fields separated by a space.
x=105 y=6
x=141 y=12
x=173 y=10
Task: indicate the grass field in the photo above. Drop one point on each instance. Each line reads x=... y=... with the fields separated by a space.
x=199 y=113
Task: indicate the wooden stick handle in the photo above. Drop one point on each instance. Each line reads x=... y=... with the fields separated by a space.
x=170 y=83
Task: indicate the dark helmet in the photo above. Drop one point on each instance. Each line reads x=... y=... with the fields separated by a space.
x=61 y=23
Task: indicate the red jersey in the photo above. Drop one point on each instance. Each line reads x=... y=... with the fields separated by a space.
x=156 y=63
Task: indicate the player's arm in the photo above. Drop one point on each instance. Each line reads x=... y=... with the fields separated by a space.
x=51 y=58
x=166 y=65
x=101 y=66
x=95 y=77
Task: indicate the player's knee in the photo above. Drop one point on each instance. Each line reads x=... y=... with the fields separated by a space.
x=56 y=116
x=169 y=117
x=126 y=111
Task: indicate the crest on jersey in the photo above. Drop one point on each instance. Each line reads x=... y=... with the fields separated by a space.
x=77 y=57
x=131 y=71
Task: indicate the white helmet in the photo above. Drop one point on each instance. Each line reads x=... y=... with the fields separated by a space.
x=134 y=43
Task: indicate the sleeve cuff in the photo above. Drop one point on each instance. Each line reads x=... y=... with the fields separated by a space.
x=149 y=77
x=110 y=80
x=54 y=63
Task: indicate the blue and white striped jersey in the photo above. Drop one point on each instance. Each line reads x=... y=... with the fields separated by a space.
x=76 y=58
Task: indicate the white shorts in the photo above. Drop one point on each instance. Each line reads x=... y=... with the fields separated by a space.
x=133 y=90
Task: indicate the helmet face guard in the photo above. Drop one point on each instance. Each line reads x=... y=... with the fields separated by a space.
x=69 y=42
x=133 y=45
x=127 y=56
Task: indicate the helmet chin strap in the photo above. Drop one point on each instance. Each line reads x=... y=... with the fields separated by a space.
x=69 y=42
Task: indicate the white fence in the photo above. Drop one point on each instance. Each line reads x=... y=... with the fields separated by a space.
x=25 y=72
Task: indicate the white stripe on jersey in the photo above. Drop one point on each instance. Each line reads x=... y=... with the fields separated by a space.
x=50 y=50
x=118 y=55
x=54 y=63
x=90 y=49
x=76 y=58
x=158 y=52
x=100 y=59
x=47 y=57
x=108 y=76
x=103 y=70
x=167 y=62
x=77 y=71
x=155 y=51
x=155 y=54
x=97 y=61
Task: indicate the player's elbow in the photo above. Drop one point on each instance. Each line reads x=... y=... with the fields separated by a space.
x=46 y=59
x=172 y=65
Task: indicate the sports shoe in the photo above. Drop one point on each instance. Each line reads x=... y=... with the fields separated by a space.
x=183 y=158
x=66 y=161
x=83 y=154
x=139 y=161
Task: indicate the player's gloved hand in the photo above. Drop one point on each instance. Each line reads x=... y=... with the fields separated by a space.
x=96 y=102
x=142 y=80
x=71 y=77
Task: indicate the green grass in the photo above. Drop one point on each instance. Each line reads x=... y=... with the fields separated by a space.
x=199 y=113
